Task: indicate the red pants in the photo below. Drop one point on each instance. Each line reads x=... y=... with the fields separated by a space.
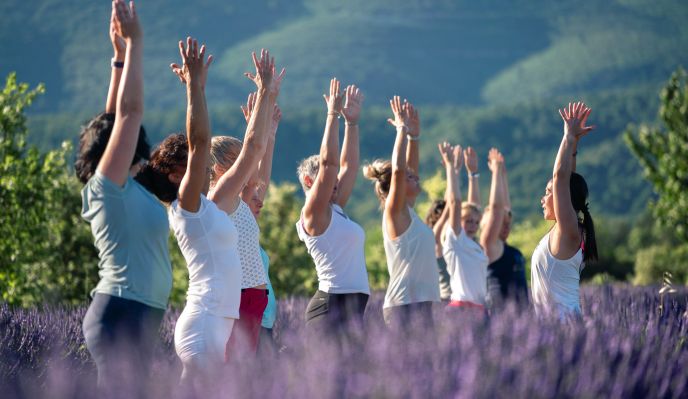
x=466 y=304
x=246 y=330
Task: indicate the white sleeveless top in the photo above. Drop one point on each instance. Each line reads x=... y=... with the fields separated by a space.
x=467 y=267
x=412 y=265
x=253 y=273
x=555 y=283
x=338 y=254
x=208 y=241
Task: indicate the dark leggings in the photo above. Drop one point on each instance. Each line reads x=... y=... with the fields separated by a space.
x=120 y=335
x=334 y=310
x=411 y=315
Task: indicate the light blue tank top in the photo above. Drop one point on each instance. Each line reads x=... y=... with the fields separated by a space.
x=270 y=313
x=130 y=231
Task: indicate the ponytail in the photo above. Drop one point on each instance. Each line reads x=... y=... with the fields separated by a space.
x=579 y=196
x=590 y=247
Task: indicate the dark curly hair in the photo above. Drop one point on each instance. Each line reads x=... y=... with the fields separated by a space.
x=435 y=211
x=93 y=139
x=171 y=153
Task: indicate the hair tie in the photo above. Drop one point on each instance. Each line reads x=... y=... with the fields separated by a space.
x=585 y=208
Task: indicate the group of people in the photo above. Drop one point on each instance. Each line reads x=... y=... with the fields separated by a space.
x=209 y=191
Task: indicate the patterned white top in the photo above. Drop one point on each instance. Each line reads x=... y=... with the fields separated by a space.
x=253 y=273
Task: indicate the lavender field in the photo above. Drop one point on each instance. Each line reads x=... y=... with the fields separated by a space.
x=622 y=348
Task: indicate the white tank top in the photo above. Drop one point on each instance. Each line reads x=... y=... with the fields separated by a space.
x=555 y=283
x=467 y=267
x=208 y=240
x=412 y=265
x=338 y=254
x=253 y=273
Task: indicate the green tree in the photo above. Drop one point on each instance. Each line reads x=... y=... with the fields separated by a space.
x=663 y=153
x=291 y=268
x=45 y=249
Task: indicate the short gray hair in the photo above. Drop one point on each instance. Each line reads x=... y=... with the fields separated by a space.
x=308 y=167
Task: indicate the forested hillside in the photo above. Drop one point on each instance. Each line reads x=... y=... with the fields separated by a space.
x=489 y=73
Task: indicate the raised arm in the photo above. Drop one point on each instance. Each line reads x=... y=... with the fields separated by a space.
x=567 y=236
x=438 y=228
x=316 y=211
x=261 y=176
x=265 y=166
x=119 y=153
x=505 y=187
x=412 y=156
x=452 y=160
x=231 y=183
x=119 y=47
x=489 y=237
x=349 y=160
x=396 y=206
x=193 y=72
x=471 y=160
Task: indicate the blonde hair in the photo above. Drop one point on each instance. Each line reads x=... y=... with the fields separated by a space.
x=308 y=167
x=224 y=151
x=468 y=207
x=380 y=171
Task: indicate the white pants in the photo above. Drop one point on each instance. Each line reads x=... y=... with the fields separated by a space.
x=200 y=337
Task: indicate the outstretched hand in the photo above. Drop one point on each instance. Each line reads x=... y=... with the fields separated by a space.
x=401 y=113
x=247 y=109
x=495 y=159
x=126 y=23
x=451 y=156
x=265 y=70
x=335 y=100
x=352 y=106
x=414 y=120
x=471 y=159
x=575 y=117
x=193 y=68
x=118 y=44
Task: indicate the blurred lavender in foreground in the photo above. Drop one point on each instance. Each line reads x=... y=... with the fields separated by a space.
x=622 y=347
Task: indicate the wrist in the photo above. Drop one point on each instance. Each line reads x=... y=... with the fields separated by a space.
x=412 y=137
x=350 y=122
x=333 y=113
x=117 y=62
x=473 y=174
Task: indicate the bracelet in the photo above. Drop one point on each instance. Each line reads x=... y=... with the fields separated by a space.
x=474 y=174
x=117 y=64
x=412 y=138
x=350 y=124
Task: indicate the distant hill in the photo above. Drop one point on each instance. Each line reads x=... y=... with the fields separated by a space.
x=484 y=73
x=438 y=52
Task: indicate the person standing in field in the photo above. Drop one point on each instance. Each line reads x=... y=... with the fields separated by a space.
x=253 y=195
x=128 y=223
x=237 y=163
x=466 y=261
x=409 y=243
x=334 y=241
x=562 y=253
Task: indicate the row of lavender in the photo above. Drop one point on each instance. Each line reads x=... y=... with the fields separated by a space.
x=622 y=348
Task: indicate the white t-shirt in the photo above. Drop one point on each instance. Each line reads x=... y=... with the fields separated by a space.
x=208 y=241
x=412 y=265
x=555 y=282
x=338 y=254
x=467 y=267
x=253 y=272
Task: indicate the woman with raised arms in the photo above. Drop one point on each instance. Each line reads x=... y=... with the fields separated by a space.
x=253 y=195
x=128 y=223
x=466 y=261
x=562 y=253
x=233 y=165
x=335 y=242
x=409 y=243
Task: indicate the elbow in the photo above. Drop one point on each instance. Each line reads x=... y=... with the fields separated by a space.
x=255 y=146
x=328 y=162
x=130 y=108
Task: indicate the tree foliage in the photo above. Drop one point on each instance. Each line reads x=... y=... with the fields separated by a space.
x=663 y=153
x=46 y=249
